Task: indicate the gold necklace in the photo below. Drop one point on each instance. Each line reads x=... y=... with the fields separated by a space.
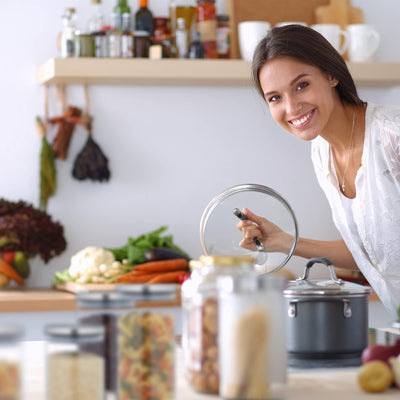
x=349 y=150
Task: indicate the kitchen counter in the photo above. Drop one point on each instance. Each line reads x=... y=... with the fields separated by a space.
x=34 y=300
x=315 y=384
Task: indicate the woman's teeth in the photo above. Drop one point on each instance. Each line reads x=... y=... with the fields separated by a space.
x=301 y=121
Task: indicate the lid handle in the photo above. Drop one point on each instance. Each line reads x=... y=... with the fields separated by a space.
x=321 y=260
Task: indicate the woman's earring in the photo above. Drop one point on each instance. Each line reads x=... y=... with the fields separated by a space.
x=334 y=83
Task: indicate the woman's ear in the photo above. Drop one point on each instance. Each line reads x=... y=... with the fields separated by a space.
x=332 y=80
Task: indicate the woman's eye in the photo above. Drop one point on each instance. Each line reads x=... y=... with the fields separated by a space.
x=301 y=85
x=273 y=99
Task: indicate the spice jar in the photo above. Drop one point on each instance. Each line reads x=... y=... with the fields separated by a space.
x=76 y=374
x=10 y=361
x=104 y=309
x=252 y=337
x=200 y=311
x=84 y=44
x=207 y=26
x=223 y=37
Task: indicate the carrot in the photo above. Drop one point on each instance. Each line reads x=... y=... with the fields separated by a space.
x=167 y=277
x=129 y=278
x=10 y=272
x=163 y=265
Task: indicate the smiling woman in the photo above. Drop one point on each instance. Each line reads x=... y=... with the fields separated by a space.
x=355 y=150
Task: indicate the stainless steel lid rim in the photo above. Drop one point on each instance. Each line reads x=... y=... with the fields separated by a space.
x=309 y=296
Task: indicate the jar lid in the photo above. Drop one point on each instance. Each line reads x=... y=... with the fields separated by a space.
x=74 y=332
x=223 y=17
x=148 y=292
x=9 y=333
x=226 y=260
x=218 y=225
x=109 y=299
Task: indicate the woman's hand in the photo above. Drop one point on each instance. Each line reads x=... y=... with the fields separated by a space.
x=272 y=237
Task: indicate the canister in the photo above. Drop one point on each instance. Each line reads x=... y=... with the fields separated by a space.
x=10 y=361
x=72 y=373
x=200 y=343
x=146 y=344
x=252 y=343
x=84 y=44
x=104 y=308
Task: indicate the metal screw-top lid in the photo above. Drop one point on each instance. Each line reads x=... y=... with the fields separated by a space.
x=108 y=299
x=148 y=292
x=10 y=333
x=74 y=332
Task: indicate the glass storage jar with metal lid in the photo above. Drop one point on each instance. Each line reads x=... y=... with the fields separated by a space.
x=76 y=374
x=140 y=343
x=10 y=361
x=200 y=318
x=252 y=341
x=104 y=308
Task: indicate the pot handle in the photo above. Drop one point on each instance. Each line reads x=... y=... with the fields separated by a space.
x=321 y=260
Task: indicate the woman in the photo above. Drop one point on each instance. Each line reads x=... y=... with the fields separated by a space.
x=355 y=152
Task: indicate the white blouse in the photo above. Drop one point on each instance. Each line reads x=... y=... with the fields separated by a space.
x=370 y=223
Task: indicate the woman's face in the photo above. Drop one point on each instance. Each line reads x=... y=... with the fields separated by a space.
x=300 y=97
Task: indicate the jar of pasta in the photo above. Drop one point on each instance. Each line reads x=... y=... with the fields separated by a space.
x=71 y=373
x=200 y=343
x=10 y=361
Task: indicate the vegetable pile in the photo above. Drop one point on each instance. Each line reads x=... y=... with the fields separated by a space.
x=149 y=258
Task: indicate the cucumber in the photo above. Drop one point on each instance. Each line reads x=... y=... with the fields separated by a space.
x=163 y=253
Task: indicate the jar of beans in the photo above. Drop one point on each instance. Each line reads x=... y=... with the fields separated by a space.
x=200 y=317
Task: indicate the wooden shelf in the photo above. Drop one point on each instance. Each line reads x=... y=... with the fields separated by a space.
x=173 y=72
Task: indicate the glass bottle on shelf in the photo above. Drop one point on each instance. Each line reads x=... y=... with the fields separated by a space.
x=207 y=26
x=126 y=38
x=196 y=47
x=120 y=9
x=67 y=36
x=182 y=38
x=144 y=18
x=183 y=9
x=96 y=19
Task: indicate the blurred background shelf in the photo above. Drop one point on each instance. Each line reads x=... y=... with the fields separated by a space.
x=173 y=72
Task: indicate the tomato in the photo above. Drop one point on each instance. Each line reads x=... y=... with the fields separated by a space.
x=183 y=276
x=8 y=256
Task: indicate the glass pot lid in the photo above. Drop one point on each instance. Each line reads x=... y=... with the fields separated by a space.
x=218 y=227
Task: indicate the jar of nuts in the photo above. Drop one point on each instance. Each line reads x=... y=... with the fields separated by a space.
x=200 y=317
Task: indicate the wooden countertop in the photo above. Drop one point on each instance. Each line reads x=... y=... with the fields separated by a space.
x=48 y=299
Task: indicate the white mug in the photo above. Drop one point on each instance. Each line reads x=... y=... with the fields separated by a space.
x=250 y=34
x=334 y=34
x=364 y=42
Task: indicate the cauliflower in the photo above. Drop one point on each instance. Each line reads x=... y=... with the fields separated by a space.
x=90 y=264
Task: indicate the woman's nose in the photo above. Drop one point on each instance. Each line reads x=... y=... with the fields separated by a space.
x=293 y=105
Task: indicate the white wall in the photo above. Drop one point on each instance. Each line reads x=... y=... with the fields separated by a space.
x=170 y=149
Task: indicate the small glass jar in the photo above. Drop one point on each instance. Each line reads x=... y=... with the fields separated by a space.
x=200 y=311
x=223 y=36
x=207 y=26
x=84 y=44
x=77 y=374
x=252 y=337
x=10 y=362
x=100 y=44
x=114 y=39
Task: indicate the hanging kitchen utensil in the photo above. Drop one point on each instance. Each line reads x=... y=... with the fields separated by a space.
x=90 y=163
x=219 y=234
x=48 y=176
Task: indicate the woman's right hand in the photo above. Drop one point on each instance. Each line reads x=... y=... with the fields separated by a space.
x=272 y=237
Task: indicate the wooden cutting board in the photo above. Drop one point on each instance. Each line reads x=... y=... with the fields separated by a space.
x=339 y=12
x=272 y=11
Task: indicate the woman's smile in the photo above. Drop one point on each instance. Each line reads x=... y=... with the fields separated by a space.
x=302 y=120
